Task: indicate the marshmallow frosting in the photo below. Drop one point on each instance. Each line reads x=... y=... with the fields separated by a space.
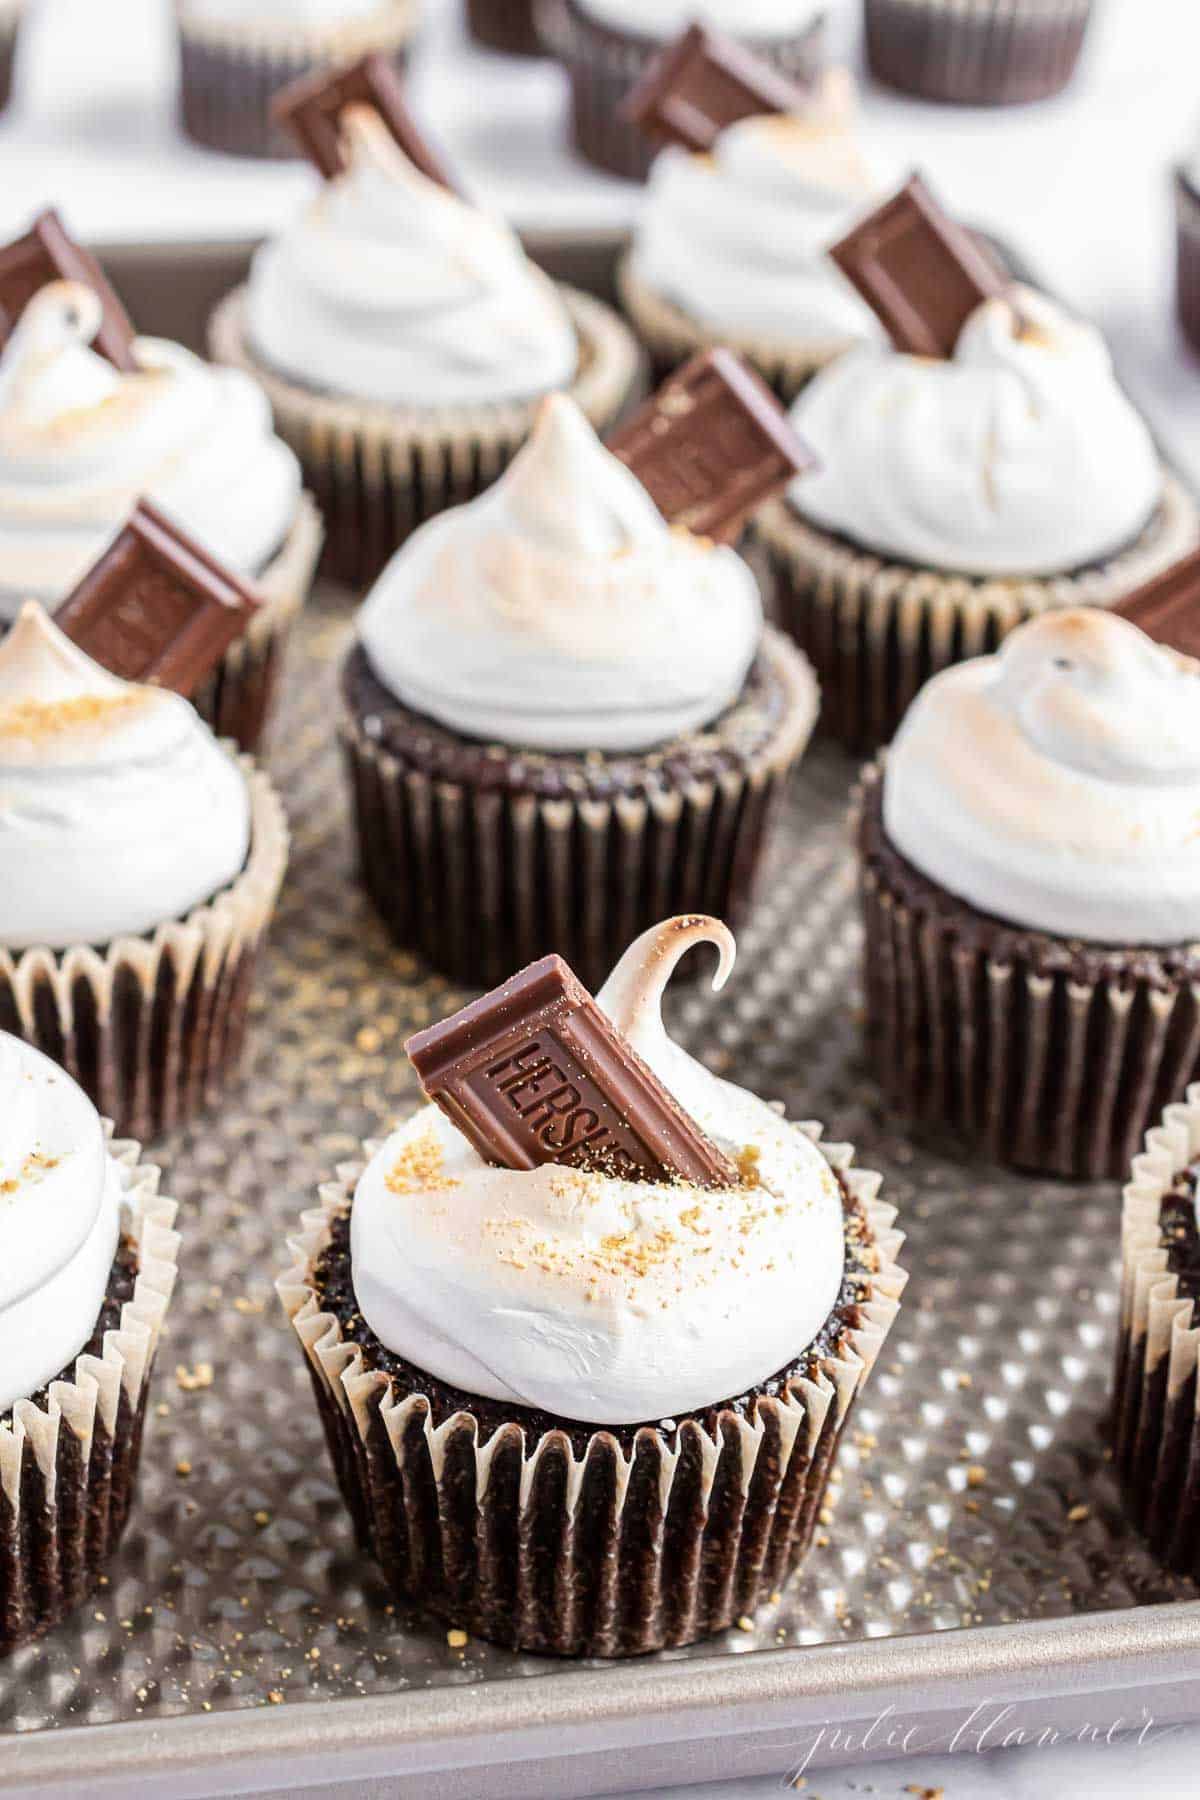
x=737 y=238
x=81 y=442
x=661 y=19
x=119 y=811
x=60 y=1215
x=559 y=610
x=391 y=289
x=1056 y=785
x=1020 y=455
x=607 y=1301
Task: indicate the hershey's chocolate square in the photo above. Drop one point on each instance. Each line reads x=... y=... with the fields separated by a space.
x=921 y=272
x=702 y=84
x=1168 y=608
x=47 y=253
x=712 y=445
x=156 y=607
x=311 y=108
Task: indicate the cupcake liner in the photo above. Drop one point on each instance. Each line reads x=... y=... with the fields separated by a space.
x=506 y=25
x=604 y=65
x=483 y=878
x=1187 y=264
x=230 y=73
x=1155 y=1431
x=68 y=1467
x=379 y=472
x=10 y=20
x=1049 y=1055
x=671 y=337
x=152 y=1027
x=238 y=698
x=876 y=631
x=976 y=52
x=605 y=1552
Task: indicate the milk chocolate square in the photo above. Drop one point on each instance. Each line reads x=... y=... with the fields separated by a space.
x=47 y=253
x=701 y=85
x=310 y=110
x=1168 y=607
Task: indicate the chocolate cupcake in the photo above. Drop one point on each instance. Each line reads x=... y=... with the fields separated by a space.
x=404 y=339
x=87 y=1266
x=1187 y=263
x=1031 y=896
x=140 y=862
x=976 y=52
x=1154 y=1399
x=235 y=56
x=589 y=1405
x=563 y=717
x=731 y=244
x=958 y=496
x=10 y=24
x=506 y=25
x=81 y=441
x=608 y=46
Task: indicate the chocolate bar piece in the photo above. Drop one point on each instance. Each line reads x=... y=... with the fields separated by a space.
x=1168 y=607
x=536 y=1073
x=156 y=607
x=921 y=272
x=310 y=110
x=45 y=254
x=712 y=445
x=703 y=83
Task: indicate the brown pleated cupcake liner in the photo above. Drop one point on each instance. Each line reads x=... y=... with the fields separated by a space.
x=482 y=881
x=1046 y=1056
x=604 y=1553
x=228 y=76
x=379 y=472
x=9 y=28
x=1155 y=1427
x=68 y=1467
x=976 y=52
x=876 y=631
x=603 y=65
x=1187 y=261
x=670 y=337
x=506 y=25
x=152 y=1027
x=238 y=698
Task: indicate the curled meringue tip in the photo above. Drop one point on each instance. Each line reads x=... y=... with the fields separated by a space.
x=36 y=658
x=632 y=995
x=59 y=314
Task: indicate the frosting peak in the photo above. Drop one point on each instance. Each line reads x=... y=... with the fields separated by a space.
x=591 y=1297
x=1056 y=784
x=559 y=610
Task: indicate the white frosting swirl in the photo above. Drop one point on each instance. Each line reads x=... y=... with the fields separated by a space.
x=560 y=611
x=737 y=238
x=391 y=289
x=1056 y=785
x=1019 y=456
x=60 y=1213
x=119 y=811
x=81 y=442
x=609 y=1301
x=663 y=19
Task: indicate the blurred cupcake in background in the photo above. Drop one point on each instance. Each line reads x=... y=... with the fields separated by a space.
x=608 y=46
x=236 y=55
x=506 y=25
x=10 y=24
x=976 y=52
x=1187 y=265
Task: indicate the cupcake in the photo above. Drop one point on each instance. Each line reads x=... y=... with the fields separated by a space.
x=730 y=247
x=236 y=55
x=81 y=441
x=579 y=1411
x=504 y=25
x=404 y=340
x=1154 y=1401
x=607 y=47
x=140 y=862
x=956 y=498
x=87 y=1265
x=1031 y=896
x=976 y=52
x=10 y=23
x=1187 y=263
x=563 y=716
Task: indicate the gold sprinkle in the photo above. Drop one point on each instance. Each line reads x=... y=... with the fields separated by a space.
x=193 y=1380
x=457 y=1640
x=976 y=1476
x=1078 y=1514
x=183 y=1467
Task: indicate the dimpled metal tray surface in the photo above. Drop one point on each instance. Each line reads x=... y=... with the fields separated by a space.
x=973 y=1575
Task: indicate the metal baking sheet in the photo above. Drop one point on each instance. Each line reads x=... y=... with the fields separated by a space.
x=975 y=1555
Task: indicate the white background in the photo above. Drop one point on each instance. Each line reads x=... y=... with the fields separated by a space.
x=1081 y=185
